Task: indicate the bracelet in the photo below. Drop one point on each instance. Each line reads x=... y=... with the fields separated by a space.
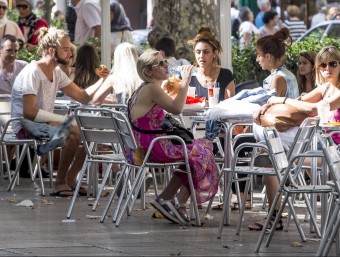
x=284 y=101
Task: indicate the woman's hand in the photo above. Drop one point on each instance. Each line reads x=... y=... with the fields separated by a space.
x=275 y=100
x=258 y=113
x=186 y=74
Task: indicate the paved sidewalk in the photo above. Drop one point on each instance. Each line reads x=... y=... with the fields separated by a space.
x=41 y=231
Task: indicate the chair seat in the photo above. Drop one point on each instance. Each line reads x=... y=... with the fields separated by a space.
x=309 y=189
x=254 y=171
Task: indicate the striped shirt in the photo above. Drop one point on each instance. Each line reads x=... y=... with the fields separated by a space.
x=296 y=28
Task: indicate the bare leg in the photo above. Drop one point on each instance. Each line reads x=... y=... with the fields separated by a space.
x=171 y=190
x=67 y=155
x=272 y=185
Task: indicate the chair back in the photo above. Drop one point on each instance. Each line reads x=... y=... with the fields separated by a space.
x=332 y=157
x=124 y=130
x=96 y=127
x=5 y=110
x=279 y=154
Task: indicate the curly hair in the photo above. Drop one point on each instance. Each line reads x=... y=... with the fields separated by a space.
x=205 y=35
x=49 y=37
x=275 y=44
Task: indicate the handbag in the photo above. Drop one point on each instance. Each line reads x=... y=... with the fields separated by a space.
x=283 y=117
x=170 y=126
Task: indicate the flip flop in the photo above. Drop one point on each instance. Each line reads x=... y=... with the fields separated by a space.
x=82 y=191
x=62 y=193
x=164 y=209
x=218 y=207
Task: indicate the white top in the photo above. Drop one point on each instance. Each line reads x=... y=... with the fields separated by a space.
x=246 y=27
x=88 y=16
x=32 y=81
x=6 y=82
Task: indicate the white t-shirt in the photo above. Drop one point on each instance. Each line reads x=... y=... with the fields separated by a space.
x=6 y=83
x=32 y=81
x=88 y=16
x=246 y=27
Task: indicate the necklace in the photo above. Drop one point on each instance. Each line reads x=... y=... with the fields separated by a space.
x=207 y=79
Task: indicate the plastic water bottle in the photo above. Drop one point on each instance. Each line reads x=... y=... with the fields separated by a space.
x=323 y=111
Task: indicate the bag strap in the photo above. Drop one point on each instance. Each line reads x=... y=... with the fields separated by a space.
x=143 y=131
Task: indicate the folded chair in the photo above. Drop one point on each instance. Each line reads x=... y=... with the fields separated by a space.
x=8 y=138
x=332 y=156
x=100 y=141
x=287 y=168
x=127 y=141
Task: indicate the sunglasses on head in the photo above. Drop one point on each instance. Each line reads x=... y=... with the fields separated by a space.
x=22 y=6
x=332 y=64
x=161 y=63
x=3 y=8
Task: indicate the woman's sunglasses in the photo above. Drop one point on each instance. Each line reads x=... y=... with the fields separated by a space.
x=22 y=6
x=332 y=64
x=161 y=63
x=3 y=8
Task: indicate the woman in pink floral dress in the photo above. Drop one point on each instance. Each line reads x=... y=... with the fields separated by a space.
x=147 y=108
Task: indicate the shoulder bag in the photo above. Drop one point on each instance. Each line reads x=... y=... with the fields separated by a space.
x=170 y=126
x=283 y=117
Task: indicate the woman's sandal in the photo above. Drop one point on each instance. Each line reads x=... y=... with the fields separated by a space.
x=180 y=211
x=258 y=226
x=165 y=208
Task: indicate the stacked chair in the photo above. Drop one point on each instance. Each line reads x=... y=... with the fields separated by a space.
x=332 y=157
x=288 y=168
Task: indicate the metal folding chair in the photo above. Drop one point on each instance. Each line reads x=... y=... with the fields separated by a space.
x=287 y=168
x=332 y=157
x=8 y=138
x=127 y=141
x=100 y=141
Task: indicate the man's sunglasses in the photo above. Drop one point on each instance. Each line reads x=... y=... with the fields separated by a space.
x=3 y=8
x=332 y=64
x=161 y=63
x=22 y=6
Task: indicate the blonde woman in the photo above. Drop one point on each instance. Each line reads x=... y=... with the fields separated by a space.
x=124 y=79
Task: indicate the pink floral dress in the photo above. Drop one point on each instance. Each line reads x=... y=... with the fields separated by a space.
x=200 y=153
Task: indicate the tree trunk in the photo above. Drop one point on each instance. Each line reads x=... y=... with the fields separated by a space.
x=181 y=21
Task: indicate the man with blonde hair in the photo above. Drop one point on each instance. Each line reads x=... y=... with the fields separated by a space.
x=33 y=96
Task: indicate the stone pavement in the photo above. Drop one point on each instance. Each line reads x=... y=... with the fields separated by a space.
x=42 y=231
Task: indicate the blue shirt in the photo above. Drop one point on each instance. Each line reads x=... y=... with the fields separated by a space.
x=292 y=86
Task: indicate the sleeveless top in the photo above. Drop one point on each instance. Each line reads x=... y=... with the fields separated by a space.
x=292 y=85
x=224 y=78
x=335 y=116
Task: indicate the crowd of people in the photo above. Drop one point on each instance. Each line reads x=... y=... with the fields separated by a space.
x=137 y=81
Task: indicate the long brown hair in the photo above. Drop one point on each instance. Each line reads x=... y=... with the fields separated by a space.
x=205 y=35
x=310 y=56
x=86 y=63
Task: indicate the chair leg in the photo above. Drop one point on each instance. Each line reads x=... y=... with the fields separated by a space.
x=75 y=193
x=113 y=193
x=242 y=206
x=17 y=168
x=226 y=207
x=101 y=187
x=330 y=233
x=270 y=214
x=134 y=188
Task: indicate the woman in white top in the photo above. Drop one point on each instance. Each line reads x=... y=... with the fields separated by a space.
x=124 y=78
x=247 y=27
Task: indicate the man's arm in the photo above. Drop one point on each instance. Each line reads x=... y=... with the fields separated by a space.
x=31 y=112
x=97 y=31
